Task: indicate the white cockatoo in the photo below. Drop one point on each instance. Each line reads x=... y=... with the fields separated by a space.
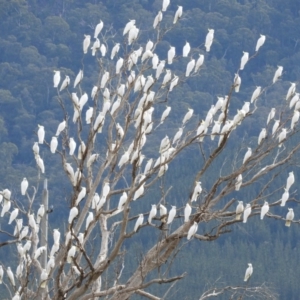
x=249 y=272
x=171 y=215
x=158 y=18
x=171 y=55
x=244 y=60
x=187 y=116
x=81 y=195
x=24 y=186
x=262 y=135
x=122 y=200
x=260 y=42
x=41 y=134
x=192 y=231
x=139 y=222
x=152 y=213
x=238 y=182
x=278 y=73
x=264 y=210
x=128 y=26
x=56 y=78
x=291 y=91
x=282 y=136
x=11 y=276
x=237 y=81
x=53 y=144
x=98 y=29
x=73 y=214
x=71 y=254
x=189 y=67
x=199 y=63
x=86 y=43
x=78 y=78
x=271 y=115
x=187 y=212
x=89 y=220
x=239 y=210
x=178 y=14
x=186 y=49
x=197 y=191
x=13 y=215
x=290 y=180
x=285 y=197
x=40 y=213
x=289 y=217
x=61 y=127
x=247 y=212
x=247 y=155
x=72 y=146
x=209 y=39
x=255 y=94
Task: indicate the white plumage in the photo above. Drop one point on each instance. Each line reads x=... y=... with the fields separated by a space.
x=24 y=186
x=290 y=180
x=271 y=115
x=122 y=200
x=187 y=212
x=291 y=91
x=78 y=78
x=284 y=197
x=249 y=272
x=86 y=43
x=10 y=276
x=197 y=191
x=189 y=68
x=238 y=182
x=289 y=217
x=81 y=195
x=73 y=214
x=247 y=155
x=178 y=14
x=171 y=54
x=171 y=215
x=187 y=116
x=157 y=19
x=255 y=94
x=295 y=118
x=41 y=134
x=72 y=146
x=264 y=210
x=53 y=144
x=262 y=135
x=177 y=135
x=98 y=29
x=186 y=49
x=199 y=62
x=65 y=83
x=278 y=73
x=244 y=60
x=260 y=42
x=165 y=5
x=124 y=159
x=60 y=127
x=152 y=213
x=209 y=39
x=237 y=83
x=71 y=254
x=128 y=26
x=139 y=222
x=239 y=210
x=89 y=220
x=192 y=231
x=282 y=136
x=56 y=78
x=247 y=212
x=13 y=215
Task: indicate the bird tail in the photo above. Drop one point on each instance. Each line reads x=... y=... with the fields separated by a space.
x=43 y=284
x=288 y=223
x=238 y=216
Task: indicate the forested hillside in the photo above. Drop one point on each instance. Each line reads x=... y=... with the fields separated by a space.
x=39 y=36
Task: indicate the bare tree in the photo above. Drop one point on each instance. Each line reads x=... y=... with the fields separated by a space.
x=104 y=162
